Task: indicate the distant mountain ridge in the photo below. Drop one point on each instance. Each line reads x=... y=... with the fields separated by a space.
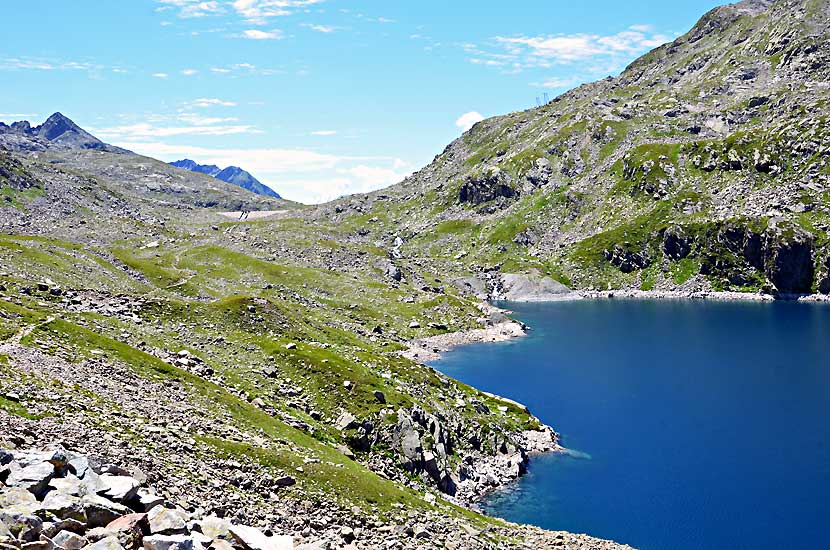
x=57 y=131
x=232 y=174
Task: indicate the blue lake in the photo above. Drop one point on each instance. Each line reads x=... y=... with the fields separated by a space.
x=707 y=423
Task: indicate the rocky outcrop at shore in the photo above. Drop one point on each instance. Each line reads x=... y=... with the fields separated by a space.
x=530 y=287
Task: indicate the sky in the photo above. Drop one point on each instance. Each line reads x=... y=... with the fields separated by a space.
x=316 y=98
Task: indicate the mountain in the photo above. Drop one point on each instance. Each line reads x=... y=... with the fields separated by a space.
x=231 y=174
x=57 y=131
x=702 y=167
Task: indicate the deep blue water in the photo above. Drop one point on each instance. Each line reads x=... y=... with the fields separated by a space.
x=707 y=424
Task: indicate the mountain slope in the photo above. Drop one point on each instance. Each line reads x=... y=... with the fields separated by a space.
x=57 y=131
x=702 y=167
x=231 y=174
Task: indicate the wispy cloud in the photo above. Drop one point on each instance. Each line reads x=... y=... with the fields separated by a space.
x=17 y=116
x=518 y=53
x=256 y=34
x=324 y=132
x=258 y=12
x=325 y=29
x=205 y=102
x=145 y=130
x=188 y=9
x=189 y=72
x=160 y=75
x=41 y=64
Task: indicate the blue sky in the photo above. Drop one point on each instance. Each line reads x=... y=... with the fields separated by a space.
x=317 y=98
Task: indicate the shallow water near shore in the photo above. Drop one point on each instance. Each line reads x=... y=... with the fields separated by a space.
x=696 y=424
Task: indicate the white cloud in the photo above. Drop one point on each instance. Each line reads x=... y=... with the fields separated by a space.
x=324 y=132
x=206 y=102
x=298 y=174
x=259 y=11
x=517 y=53
x=160 y=75
x=468 y=120
x=325 y=29
x=255 y=34
x=194 y=8
x=145 y=130
x=558 y=82
x=17 y=116
x=189 y=72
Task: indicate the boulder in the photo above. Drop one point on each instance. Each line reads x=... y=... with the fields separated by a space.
x=213 y=527
x=253 y=539
x=100 y=511
x=25 y=527
x=345 y=421
x=120 y=488
x=64 y=506
x=69 y=540
x=108 y=543
x=171 y=542
x=34 y=478
x=531 y=287
x=167 y=521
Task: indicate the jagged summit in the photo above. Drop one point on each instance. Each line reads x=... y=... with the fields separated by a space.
x=231 y=174
x=57 y=131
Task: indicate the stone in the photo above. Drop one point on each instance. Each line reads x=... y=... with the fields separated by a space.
x=146 y=500
x=100 y=511
x=213 y=527
x=69 y=540
x=109 y=543
x=26 y=527
x=69 y=485
x=170 y=542
x=70 y=525
x=120 y=488
x=253 y=539
x=220 y=544
x=16 y=496
x=64 y=506
x=347 y=534
x=34 y=478
x=379 y=396
x=167 y=521
x=38 y=545
x=345 y=421
x=284 y=481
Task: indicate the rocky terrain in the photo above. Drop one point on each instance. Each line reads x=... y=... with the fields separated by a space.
x=701 y=168
x=269 y=370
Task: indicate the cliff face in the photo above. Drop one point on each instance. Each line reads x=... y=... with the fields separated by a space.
x=723 y=128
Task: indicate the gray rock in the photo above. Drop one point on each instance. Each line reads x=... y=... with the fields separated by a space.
x=171 y=542
x=167 y=521
x=253 y=539
x=531 y=287
x=34 y=478
x=213 y=527
x=146 y=500
x=109 y=543
x=64 y=506
x=26 y=527
x=120 y=488
x=100 y=511
x=69 y=540
x=345 y=421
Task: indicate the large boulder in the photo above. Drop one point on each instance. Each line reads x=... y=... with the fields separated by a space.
x=530 y=287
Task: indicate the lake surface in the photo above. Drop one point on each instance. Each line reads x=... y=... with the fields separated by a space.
x=707 y=423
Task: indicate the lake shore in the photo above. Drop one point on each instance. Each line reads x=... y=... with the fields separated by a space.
x=432 y=348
